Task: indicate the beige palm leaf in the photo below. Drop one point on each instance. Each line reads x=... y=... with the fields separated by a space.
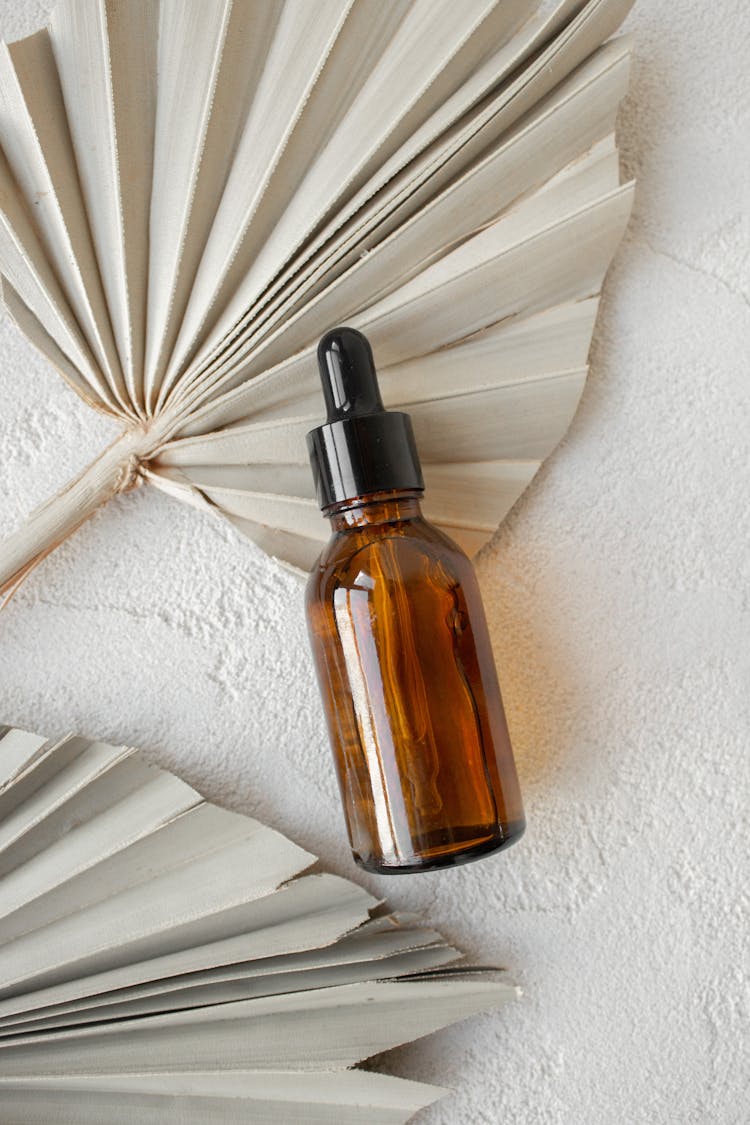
x=192 y=193
x=165 y=960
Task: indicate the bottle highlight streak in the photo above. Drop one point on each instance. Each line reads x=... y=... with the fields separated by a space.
x=401 y=644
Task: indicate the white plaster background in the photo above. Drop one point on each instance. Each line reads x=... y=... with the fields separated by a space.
x=617 y=593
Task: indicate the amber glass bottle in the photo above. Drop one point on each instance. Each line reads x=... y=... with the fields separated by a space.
x=401 y=645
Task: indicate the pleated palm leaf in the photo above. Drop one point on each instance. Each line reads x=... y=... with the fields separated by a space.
x=164 y=960
x=192 y=192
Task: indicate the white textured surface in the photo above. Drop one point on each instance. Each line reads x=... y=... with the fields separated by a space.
x=618 y=598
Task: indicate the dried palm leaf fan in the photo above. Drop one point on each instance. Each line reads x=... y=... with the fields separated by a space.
x=164 y=960
x=192 y=193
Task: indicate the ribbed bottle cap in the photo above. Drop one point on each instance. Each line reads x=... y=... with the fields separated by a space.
x=361 y=448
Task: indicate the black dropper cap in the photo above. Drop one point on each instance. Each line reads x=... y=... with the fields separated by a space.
x=362 y=447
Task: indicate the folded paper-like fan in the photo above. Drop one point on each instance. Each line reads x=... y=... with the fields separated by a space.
x=192 y=192
x=165 y=960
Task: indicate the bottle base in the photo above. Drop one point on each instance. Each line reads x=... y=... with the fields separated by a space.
x=464 y=847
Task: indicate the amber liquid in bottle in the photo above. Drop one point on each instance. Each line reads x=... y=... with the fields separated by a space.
x=410 y=690
x=401 y=645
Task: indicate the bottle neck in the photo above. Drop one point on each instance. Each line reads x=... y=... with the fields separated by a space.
x=377 y=508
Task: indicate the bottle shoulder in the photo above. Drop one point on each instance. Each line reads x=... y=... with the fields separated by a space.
x=407 y=554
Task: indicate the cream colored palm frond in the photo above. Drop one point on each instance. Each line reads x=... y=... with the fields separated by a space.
x=164 y=960
x=192 y=193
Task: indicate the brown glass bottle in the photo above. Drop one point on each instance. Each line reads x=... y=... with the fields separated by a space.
x=402 y=652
